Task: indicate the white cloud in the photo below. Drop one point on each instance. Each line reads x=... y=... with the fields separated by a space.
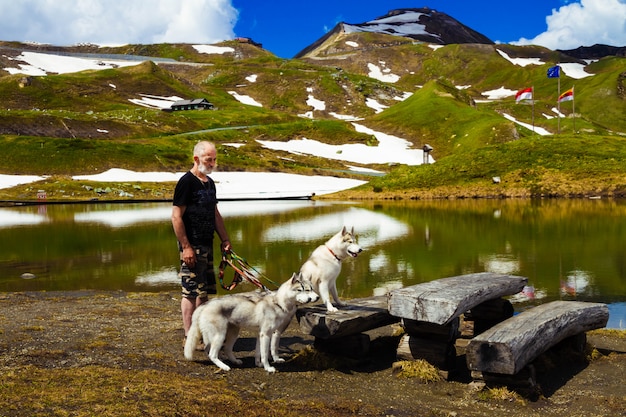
x=116 y=22
x=586 y=23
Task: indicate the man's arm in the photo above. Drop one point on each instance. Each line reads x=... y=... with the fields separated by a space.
x=189 y=257
x=220 y=228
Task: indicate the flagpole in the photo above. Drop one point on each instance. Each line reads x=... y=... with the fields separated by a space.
x=558 y=105
x=574 y=108
x=532 y=89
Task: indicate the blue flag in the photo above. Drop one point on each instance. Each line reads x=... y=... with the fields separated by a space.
x=554 y=72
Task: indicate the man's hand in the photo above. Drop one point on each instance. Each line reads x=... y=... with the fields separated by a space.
x=189 y=256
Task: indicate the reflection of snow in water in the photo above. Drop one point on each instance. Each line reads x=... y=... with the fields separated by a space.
x=378 y=261
x=128 y=217
x=370 y=227
x=155 y=278
x=265 y=207
x=12 y=218
x=501 y=264
x=387 y=287
x=505 y=263
x=124 y=218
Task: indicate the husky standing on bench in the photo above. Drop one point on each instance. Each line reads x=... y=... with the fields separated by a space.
x=324 y=265
x=219 y=320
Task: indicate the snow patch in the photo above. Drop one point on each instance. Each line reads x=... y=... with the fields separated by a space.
x=381 y=75
x=245 y=99
x=39 y=64
x=212 y=49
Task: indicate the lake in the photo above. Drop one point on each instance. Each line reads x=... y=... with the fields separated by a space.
x=568 y=249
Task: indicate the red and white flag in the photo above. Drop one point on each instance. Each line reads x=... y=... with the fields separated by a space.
x=567 y=96
x=525 y=94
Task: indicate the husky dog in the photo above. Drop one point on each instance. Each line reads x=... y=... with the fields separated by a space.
x=219 y=321
x=323 y=266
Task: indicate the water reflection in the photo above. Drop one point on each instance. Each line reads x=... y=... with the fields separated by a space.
x=567 y=249
x=371 y=227
x=12 y=218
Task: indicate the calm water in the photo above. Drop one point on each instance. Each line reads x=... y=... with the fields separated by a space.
x=572 y=250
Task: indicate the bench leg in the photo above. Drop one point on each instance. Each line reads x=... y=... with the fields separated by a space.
x=441 y=354
x=354 y=346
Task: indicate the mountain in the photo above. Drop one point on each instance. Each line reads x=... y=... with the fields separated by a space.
x=596 y=51
x=421 y=24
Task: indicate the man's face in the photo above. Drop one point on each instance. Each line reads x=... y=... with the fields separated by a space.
x=207 y=161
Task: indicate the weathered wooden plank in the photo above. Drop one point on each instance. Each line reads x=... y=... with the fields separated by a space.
x=512 y=344
x=358 y=315
x=442 y=300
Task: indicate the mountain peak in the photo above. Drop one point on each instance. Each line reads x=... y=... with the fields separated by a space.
x=423 y=24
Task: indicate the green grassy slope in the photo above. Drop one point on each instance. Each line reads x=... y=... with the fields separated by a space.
x=85 y=122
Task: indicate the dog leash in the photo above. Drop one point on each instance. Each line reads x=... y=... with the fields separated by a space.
x=242 y=270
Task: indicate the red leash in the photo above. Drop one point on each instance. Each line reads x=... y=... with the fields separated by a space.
x=242 y=270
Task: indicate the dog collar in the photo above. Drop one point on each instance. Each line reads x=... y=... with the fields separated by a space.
x=333 y=253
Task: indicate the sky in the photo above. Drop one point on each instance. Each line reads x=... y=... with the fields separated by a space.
x=285 y=27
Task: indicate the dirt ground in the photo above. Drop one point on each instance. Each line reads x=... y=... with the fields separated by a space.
x=46 y=332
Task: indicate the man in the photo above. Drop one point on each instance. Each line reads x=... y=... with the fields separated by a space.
x=196 y=218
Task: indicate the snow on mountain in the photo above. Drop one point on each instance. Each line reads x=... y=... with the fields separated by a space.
x=404 y=24
x=42 y=64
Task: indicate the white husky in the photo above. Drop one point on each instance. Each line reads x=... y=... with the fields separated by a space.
x=219 y=320
x=323 y=266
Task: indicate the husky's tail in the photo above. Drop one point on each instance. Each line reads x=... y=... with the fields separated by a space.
x=193 y=336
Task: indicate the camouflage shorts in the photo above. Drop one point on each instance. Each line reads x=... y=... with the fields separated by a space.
x=198 y=281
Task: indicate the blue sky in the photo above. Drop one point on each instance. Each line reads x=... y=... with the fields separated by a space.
x=285 y=27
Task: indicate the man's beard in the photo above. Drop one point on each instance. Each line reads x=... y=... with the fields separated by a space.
x=205 y=169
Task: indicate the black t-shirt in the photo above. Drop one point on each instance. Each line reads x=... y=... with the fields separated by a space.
x=200 y=199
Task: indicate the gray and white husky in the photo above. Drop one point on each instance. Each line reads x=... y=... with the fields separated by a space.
x=219 y=320
x=323 y=266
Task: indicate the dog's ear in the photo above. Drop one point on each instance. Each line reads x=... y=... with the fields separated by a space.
x=295 y=277
x=343 y=231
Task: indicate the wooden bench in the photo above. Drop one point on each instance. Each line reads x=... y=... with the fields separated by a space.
x=342 y=331
x=443 y=300
x=431 y=312
x=512 y=344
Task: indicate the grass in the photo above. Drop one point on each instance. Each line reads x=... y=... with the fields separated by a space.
x=417 y=369
x=499 y=394
x=95 y=390
x=564 y=166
